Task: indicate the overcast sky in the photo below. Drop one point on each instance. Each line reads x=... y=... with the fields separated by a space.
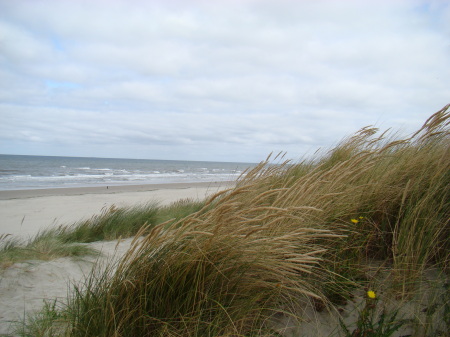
x=220 y=80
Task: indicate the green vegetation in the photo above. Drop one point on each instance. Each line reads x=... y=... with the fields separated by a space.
x=288 y=233
x=112 y=223
x=42 y=247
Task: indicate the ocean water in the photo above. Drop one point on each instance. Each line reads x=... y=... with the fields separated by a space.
x=34 y=172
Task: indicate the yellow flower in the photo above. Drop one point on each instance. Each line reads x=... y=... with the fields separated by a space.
x=355 y=221
x=361 y=217
x=371 y=294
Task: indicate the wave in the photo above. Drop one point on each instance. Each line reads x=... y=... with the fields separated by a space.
x=46 y=172
x=78 y=180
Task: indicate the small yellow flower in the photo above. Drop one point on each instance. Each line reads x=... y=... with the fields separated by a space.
x=361 y=217
x=371 y=294
x=355 y=221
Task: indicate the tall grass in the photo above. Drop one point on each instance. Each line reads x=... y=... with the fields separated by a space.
x=286 y=232
x=400 y=187
x=221 y=271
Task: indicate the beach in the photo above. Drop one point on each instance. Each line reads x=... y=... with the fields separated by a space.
x=23 y=213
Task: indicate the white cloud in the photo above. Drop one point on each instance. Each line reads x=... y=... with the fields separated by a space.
x=178 y=78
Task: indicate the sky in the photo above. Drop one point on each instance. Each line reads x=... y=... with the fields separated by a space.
x=215 y=80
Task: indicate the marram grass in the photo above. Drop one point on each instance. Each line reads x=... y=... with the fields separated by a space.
x=286 y=232
x=220 y=272
x=113 y=223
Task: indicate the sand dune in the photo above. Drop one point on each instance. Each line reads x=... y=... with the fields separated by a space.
x=25 y=286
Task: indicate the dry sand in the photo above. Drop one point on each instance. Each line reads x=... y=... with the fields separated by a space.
x=23 y=213
x=25 y=286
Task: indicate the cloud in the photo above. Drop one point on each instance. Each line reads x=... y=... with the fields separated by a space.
x=219 y=80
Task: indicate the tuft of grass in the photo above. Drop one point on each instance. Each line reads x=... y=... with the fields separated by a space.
x=201 y=277
x=112 y=223
x=42 y=247
x=48 y=322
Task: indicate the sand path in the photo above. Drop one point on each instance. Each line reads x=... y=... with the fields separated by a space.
x=25 y=286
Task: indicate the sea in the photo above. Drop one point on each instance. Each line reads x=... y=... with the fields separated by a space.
x=18 y=172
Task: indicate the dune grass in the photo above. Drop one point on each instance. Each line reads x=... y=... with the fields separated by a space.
x=391 y=197
x=287 y=233
x=42 y=247
x=113 y=223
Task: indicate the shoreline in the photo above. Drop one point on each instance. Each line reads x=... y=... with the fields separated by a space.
x=25 y=213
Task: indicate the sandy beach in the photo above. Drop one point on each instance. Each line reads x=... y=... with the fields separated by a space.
x=23 y=213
